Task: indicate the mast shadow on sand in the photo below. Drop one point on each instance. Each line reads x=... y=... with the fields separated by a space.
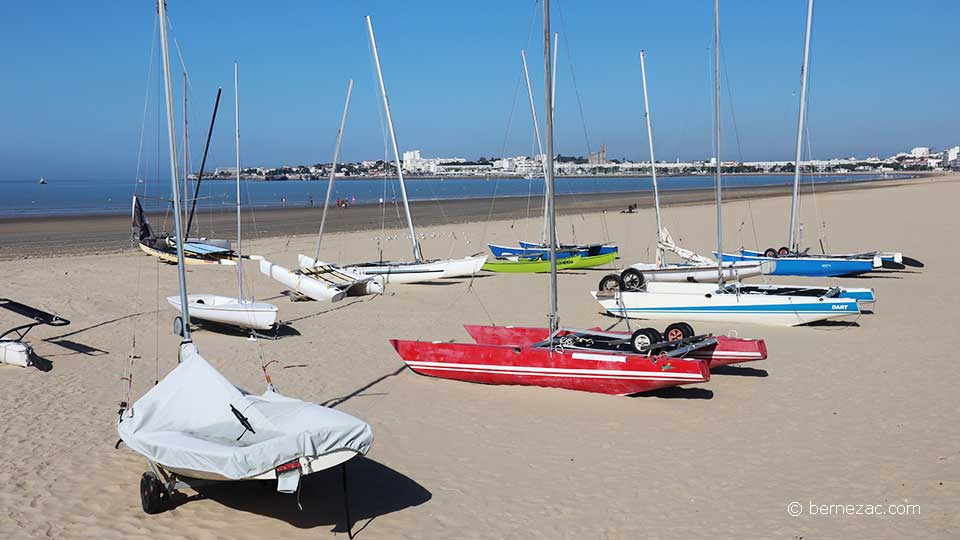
x=374 y=490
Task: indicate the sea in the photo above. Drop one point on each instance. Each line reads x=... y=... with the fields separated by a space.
x=103 y=196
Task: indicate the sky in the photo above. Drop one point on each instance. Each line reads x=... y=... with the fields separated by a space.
x=77 y=79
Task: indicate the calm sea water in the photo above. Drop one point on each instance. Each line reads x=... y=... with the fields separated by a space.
x=59 y=197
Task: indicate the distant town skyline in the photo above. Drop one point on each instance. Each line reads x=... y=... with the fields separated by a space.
x=878 y=86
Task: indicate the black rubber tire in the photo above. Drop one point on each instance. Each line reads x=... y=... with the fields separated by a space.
x=152 y=494
x=771 y=253
x=611 y=282
x=632 y=279
x=677 y=331
x=644 y=338
x=783 y=251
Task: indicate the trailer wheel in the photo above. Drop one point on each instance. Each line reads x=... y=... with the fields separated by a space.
x=632 y=279
x=678 y=331
x=783 y=251
x=644 y=338
x=611 y=282
x=771 y=253
x=153 y=496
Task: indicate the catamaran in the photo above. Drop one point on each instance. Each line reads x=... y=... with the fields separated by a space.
x=584 y=360
x=418 y=269
x=697 y=268
x=531 y=256
x=314 y=278
x=195 y=426
x=791 y=261
x=227 y=309
x=16 y=351
x=722 y=302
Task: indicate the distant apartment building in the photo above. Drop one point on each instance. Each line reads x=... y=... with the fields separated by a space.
x=950 y=155
x=920 y=152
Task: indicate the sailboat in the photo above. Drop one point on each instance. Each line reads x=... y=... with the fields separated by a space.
x=227 y=309
x=418 y=269
x=722 y=302
x=317 y=279
x=584 y=360
x=791 y=261
x=697 y=268
x=162 y=245
x=195 y=426
x=533 y=257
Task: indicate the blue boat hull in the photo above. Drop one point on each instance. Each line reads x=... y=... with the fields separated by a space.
x=808 y=266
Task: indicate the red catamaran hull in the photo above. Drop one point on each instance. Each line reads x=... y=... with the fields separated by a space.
x=587 y=371
x=727 y=350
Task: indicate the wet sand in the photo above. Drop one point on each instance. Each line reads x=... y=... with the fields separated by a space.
x=73 y=235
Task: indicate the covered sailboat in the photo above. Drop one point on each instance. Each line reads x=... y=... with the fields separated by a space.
x=720 y=302
x=584 y=360
x=418 y=269
x=790 y=259
x=194 y=425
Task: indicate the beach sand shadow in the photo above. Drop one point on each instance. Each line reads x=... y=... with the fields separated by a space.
x=283 y=330
x=833 y=324
x=77 y=348
x=676 y=392
x=41 y=363
x=739 y=371
x=373 y=490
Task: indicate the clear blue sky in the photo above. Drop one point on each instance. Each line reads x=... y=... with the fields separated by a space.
x=884 y=77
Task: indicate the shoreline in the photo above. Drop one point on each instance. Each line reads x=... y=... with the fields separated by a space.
x=39 y=236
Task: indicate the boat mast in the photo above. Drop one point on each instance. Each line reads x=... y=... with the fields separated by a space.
x=716 y=142
x=548 y=174
x=393 y=140
x=803 y=104
x=536 y=129
x=203 y=163
x=236 y=117
x=333 y=169
x=553 y=107
x=653 y=161
x=174 y=177
x=186 y=145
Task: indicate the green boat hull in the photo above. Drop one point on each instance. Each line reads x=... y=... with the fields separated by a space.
x=535 y=266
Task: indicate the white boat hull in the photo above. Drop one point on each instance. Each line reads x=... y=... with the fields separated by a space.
x=418 y=272
x=15 y=353
x=352 y=284
x=229 y=310
x=300 y=283
x=704 y=288
x=696 y=273
x=726 y=308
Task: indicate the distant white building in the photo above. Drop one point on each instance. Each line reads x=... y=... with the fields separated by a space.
x=950 y=154
x=920 y=151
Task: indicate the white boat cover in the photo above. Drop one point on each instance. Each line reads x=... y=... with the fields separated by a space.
x=186 y=422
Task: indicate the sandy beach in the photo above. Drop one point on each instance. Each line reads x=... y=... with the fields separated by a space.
x=860 y=414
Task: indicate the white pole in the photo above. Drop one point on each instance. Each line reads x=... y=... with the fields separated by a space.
x=792 y=244
x=186 y=148
x=333 y=169
x=653 y=161
x=393 y=140
x=236 y=117
x=536 y=130
x=548 y=91
x=174 y=176
x=716 y=61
